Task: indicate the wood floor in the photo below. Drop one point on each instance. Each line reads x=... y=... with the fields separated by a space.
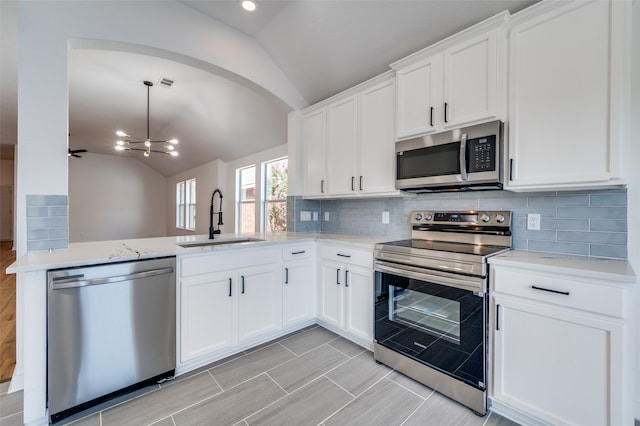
x=7 y=313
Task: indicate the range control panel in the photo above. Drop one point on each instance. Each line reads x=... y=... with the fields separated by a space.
x=471 y=217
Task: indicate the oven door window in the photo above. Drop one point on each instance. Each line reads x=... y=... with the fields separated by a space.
x=437 y=325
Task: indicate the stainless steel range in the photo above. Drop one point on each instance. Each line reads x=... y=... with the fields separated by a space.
x=432 y=298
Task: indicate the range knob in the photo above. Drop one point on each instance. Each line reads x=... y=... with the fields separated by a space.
x=418 y=217
x=499 y=218
x=485 y=218
x=428 y=217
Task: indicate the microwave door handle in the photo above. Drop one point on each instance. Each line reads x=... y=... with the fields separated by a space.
x=463 y=157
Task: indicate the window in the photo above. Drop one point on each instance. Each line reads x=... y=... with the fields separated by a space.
x=190 y=205
x=186 y=205
x=275 y=199
x=180 y=205
x=246 y=179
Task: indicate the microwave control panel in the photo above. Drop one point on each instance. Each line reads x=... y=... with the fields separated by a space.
x=482 y=154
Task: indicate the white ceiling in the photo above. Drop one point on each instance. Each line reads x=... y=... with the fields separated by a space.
x=323 y=47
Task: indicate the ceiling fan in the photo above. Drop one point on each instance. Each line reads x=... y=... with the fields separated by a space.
x=75 y=152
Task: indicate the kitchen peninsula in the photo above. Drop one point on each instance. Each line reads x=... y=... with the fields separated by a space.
x=284 y=265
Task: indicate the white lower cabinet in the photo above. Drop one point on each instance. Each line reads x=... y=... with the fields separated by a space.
x=559 y=349
x=298 y=284
x=345 y=292
x=206 y=300
x=227 y=299
x=259 y=308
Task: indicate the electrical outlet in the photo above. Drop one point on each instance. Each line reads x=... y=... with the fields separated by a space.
x=326 y=216
x=385 y=217
x=533 y=221
x=305 y=216
x=315 y=216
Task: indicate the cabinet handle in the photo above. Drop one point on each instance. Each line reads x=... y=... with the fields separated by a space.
x=322 y=186
x=298 y=252
x=511 y=169
x=242 y=277
x=229 y=287
x=344 y=255
x=346 y=278
x=286 y=275
x=431 y=116
x=446 y=107
x=353 y=179
x=498 y=317
x=338 y=276
x=535 y=287
x=360 y=183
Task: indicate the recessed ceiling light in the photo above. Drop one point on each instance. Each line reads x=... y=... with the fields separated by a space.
x=248 y=5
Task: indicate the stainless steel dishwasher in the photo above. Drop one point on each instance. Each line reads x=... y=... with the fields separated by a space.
x=111 y=328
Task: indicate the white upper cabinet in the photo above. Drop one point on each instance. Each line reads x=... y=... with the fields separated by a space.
x=377 y=171
x=342 y=148
x=349 y=143
x=567 y=89
x=418 y=91
x=314 y=137
x=459 y=81
x=471 y=74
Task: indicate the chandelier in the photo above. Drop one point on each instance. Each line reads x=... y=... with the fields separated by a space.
x=147 y=145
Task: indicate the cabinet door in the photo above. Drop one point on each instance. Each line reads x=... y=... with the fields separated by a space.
x=557 y=365
x=560 y=97
x=259 y=295
x=377 y=146
x=342 y=132
x=314 y=138
x=298 y=298
x=359 y=302
x=417 y=97
x=470 y=81
x=207 y=314
x=330 y=293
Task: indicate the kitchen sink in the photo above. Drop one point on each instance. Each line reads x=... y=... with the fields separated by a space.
x=225 y=241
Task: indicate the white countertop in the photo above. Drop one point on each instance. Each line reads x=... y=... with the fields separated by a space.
x=590 y=267
x=90 y=253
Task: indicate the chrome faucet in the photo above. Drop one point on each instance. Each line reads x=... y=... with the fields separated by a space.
x=213 y=231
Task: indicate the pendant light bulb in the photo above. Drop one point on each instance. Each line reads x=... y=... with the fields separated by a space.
x=174 y=153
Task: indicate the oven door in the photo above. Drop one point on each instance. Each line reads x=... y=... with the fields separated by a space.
x=433 y=323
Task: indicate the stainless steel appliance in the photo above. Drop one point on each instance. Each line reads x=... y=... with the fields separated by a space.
x=461 y=159
x=432 y=300
x=110 y=328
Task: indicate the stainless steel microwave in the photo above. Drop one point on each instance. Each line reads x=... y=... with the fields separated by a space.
x=468 y=158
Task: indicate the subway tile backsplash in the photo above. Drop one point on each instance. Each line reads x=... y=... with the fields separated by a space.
x=47 y=222
x=589 y=223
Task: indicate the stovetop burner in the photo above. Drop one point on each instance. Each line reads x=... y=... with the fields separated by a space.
x=455 y=242
x=464 y=248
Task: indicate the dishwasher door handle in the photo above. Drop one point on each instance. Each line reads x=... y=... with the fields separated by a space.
x=59 y=283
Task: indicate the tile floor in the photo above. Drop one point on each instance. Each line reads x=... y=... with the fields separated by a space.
x=312 y=377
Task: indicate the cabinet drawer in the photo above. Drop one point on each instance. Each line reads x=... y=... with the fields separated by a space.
x=571 y=293
x=213 y=262
x=298 y=251
x=347 y=255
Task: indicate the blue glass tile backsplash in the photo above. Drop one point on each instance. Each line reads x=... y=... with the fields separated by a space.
x=590 y=223
x=47 y=222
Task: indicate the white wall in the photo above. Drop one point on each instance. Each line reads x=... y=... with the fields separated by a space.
x=229 y=191
x=633 y=193
x=208 y=177
x=48 y=29
x=113 y=197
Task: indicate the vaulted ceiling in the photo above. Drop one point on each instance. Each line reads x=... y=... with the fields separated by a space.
x=323 y=47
